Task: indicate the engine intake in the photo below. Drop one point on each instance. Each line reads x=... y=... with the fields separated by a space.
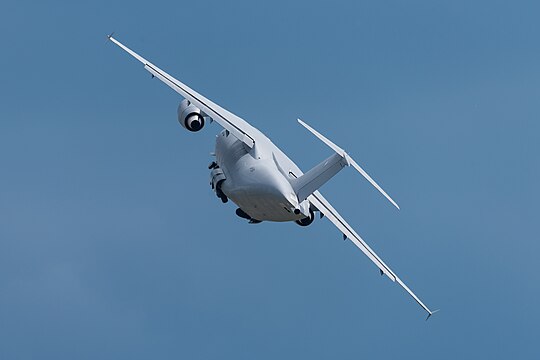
x=190 y=116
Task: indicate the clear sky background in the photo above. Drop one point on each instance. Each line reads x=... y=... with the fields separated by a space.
x=113 y=246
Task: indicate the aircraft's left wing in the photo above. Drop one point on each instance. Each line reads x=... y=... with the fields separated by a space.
x=236 y=125
x=328 y=210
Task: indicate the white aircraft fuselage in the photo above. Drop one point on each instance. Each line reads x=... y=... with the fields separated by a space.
x=256 y=179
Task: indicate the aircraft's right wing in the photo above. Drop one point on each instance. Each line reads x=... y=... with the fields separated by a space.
x=237 y=126
x=328 y=210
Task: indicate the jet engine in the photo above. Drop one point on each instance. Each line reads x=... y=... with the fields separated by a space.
x=190 y=116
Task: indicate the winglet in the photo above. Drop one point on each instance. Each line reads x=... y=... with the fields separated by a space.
x=431 y=313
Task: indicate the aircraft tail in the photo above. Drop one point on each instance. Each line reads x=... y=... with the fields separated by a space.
x=311 y=181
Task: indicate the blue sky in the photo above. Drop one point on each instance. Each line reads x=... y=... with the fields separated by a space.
x=113 y=246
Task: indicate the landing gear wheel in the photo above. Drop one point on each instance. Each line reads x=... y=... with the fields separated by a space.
x=307 y=220
x=220 y=193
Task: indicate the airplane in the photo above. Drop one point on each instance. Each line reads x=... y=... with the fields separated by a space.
x=257 y=176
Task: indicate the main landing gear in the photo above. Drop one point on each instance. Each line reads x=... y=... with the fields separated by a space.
x=217 y=178
x=307 y=220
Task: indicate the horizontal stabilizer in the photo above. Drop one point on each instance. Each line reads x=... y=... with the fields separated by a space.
x=349 y=160
x=431 y=314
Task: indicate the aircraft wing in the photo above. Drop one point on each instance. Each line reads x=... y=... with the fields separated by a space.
x=236 y=125
x=328 y=210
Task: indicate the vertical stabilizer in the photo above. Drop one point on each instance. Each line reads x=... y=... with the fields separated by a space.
x=311 y=181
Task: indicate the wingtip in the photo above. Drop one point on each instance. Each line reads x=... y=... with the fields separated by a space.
x=431 y=313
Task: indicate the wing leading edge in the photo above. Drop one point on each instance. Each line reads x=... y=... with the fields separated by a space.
x=237 y=126
x=328 y=210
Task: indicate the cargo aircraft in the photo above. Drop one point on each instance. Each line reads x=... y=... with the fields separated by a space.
x=259 y=178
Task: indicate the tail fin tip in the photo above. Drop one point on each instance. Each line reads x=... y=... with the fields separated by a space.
x=431 y=313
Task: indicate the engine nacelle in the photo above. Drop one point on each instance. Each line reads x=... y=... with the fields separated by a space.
x=190 y=116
